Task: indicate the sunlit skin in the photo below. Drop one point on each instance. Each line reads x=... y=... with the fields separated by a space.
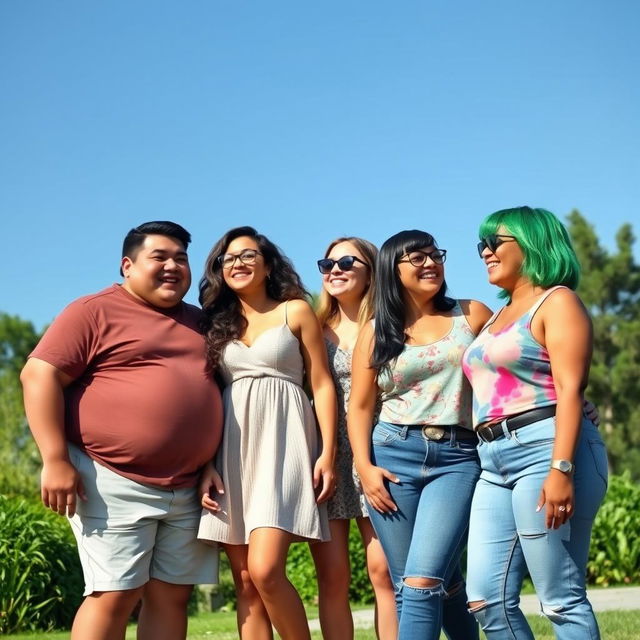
x=332 y=558
x=158 y=273
x=265 y=595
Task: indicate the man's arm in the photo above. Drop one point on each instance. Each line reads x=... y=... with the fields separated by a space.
x=43 y=386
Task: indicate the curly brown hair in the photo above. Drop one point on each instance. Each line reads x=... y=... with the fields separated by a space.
x=223 y=320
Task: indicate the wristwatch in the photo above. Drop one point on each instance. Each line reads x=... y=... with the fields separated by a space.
x=563 y=465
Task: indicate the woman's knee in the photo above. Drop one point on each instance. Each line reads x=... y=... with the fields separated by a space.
x=334 y=578
x=266 y=575
x=245 y=588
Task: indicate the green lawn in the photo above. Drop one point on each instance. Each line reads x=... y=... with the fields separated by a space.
x=614 y=625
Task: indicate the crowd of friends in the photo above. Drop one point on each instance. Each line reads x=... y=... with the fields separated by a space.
x=434 y=423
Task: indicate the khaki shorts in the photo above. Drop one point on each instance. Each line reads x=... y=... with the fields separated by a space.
x=129 y=532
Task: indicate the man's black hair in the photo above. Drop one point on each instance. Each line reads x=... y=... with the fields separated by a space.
x=134 y=239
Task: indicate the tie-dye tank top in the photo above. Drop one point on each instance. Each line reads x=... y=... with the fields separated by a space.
x=425 y=383
x=509 y=370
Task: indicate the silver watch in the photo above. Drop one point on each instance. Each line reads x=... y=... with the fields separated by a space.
x=563 y=465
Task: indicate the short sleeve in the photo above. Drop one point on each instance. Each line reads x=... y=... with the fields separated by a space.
x=72 y=340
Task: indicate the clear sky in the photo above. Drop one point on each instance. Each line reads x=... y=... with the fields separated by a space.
x=308 y=120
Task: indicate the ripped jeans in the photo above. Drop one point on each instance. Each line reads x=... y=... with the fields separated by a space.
x=425 y=537
x=507 y=537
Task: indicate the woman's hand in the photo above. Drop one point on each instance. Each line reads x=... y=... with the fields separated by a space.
x=558 y=494
x=210 y=482
x=324 y=477
x=372 y=479
x=590 y=412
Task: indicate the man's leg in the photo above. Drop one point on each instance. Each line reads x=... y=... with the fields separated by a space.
x=164 y=611
x=104 y=615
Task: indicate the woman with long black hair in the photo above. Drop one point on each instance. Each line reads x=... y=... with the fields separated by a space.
x=419 y=465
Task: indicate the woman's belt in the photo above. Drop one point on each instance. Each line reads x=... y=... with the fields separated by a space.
x=494 y=431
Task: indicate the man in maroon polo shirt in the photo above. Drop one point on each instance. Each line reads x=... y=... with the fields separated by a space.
x=125 y=416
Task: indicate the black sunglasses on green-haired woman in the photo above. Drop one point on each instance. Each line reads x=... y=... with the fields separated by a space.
x=492 y=242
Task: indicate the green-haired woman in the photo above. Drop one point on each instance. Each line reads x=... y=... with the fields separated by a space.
x=544 y=466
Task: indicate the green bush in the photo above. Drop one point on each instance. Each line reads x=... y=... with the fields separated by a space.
x=40 y=576
x=614 y=557
x=302 y=573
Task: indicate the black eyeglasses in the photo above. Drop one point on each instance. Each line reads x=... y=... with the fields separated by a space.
x=248 y=256
x=492 y=242
x=344 y=264
x=419 y=258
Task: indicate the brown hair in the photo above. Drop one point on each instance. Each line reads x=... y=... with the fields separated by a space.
x=222 y=317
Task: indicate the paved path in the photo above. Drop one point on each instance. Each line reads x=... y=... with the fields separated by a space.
x=601 y=599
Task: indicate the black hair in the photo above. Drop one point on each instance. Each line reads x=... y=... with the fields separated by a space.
x=390 y=315
x=223 y=319
x=135 y=238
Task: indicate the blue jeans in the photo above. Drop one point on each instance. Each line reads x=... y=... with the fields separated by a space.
x=507 y=536
x=427 y=534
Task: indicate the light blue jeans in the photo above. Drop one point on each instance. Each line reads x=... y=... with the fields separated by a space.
x=427 y=534
x=507 y=536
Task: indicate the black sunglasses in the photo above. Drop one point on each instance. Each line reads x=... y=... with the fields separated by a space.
x=492 y=242
x=344 y=264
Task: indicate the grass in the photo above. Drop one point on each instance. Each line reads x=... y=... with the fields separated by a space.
x=614 y=625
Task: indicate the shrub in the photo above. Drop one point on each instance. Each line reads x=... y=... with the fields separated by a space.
x=40 y=576
x=302 y=572
x=615 y=541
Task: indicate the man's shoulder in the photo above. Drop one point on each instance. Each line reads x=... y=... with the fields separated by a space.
x=105 y=296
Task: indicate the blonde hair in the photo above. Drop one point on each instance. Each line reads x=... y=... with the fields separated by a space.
x=327 y=310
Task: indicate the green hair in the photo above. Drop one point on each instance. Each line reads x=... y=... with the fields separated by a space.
x=549 y=257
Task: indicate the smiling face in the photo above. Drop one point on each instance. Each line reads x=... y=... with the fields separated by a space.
x=158 y=273
x=422 y=281
x=350 y=284
x=241 y=277
x=504 y=265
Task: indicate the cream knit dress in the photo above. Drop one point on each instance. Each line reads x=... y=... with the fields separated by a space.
x=269 y=444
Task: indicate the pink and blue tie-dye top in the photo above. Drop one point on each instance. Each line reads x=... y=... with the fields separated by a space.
x=425 y=383
x=509 y=370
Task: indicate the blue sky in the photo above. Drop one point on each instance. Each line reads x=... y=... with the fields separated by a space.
x=308 y=121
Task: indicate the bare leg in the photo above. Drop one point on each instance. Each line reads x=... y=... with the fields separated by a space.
x=103 y=615
x=386 y=613
x=267 y=558
x=253 y=619
x=334 y=575
x=164 y=611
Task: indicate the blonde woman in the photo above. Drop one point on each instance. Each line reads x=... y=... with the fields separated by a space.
x=346 y=304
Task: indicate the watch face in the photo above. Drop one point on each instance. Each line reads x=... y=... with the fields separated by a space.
x=563 y=465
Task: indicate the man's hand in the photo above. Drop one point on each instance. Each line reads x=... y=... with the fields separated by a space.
x=60 y=486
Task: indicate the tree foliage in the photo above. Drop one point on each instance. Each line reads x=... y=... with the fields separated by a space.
x=610 y=288
x=18 y=337
x=19 y=461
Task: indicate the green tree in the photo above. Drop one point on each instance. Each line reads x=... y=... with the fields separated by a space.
x=610 y=288
x=19 y=461
x=18 y=337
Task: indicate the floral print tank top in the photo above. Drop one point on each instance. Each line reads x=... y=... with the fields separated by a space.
x=509 y=370
x=425 y=383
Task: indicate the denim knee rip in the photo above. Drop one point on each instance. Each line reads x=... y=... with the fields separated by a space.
x=428 y=592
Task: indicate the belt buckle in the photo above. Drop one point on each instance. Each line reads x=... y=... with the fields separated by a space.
x=433 y=433
x=486 y=434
